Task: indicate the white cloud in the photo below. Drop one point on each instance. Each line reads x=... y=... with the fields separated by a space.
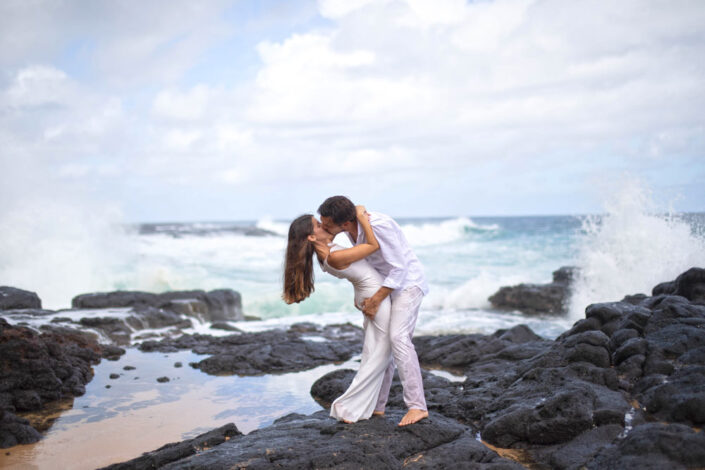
x=338 y=8
x=181 y=139
x=436 y=12
x=37 y=85
x=189 y=105
x=486 y=71
x=445 y=88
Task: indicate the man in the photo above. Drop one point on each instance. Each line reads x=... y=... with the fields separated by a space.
x=404 y=282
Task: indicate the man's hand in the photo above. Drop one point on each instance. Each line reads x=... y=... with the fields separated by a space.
x=370 y=306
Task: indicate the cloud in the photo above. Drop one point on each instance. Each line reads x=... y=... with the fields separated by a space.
x=458 y=83
x=369 y=92
x=185 y=106
x=126 y=43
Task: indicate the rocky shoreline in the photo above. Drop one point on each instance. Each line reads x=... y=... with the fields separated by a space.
x=623 y=388
x=54 y=362
x=537 y=299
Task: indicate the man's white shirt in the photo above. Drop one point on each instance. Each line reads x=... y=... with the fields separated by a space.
x=394 y=260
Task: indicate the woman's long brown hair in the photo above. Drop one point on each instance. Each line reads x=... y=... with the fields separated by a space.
x=298 y=264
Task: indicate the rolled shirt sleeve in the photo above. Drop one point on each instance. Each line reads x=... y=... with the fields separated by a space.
x=391 y=250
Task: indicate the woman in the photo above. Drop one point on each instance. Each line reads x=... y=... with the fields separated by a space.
x=306 y=239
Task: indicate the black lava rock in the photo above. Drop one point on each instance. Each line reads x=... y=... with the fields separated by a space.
x=532 y=299
x=267 y=351
x=13 y=298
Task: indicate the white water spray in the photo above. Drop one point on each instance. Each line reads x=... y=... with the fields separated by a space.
x=60 y=250
x=631 y=248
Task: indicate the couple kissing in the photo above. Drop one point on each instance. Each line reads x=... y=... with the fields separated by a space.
x=389 y=285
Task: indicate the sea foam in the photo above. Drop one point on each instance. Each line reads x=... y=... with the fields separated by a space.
x=60 y=249
x=631 y=248
x=435 y=233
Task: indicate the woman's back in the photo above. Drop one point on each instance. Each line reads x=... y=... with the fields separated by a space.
x=361 y=274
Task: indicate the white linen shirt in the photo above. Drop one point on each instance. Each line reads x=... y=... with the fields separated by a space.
x=394 y=260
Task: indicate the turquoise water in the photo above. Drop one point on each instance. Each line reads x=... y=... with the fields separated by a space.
x=628 y=249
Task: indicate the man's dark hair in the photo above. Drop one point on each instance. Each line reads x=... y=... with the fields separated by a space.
x=339 y=208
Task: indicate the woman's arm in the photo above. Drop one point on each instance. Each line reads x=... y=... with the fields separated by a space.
x=341 y=259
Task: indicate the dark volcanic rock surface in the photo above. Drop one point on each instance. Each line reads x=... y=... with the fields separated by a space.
x=573 y=402
x=690 y=284
x=267 y=351
x=37 y=368
x=13 y=298
x=317 y=441
x=653 y=446
x=622 y=389
x=179 y=450
x=216 y=305
x=534 y=299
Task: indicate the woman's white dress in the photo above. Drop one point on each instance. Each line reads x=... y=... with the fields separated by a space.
x=359 y=400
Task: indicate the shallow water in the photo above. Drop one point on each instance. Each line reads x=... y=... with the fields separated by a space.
x=137 y=414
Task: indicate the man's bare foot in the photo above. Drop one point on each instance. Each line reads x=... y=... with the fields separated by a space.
x=378 y=413
x=413 y=416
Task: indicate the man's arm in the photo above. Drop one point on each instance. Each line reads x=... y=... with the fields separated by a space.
x=371 y=304
x=389 y=245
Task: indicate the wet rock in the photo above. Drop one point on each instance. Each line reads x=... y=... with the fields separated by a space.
x=225 y=326
x=690 y=284
x=111 y=353
x=15 y=430
x=162 y=380
x=113 y=328
x=152 y=317
x=179 y=450
x=216 y=305
x=18 y=315
x=129 y=368
x=579 y=450
x=330 y=386
x=630 y=348
x=534 y=299
x=668 y=287
x=13 y=298
x=268 y=351
x=38 y=368
x=634 y=299
x=114 y=376
x=654 y=446
x=680 y=397
x=317 y=441
x=458 y=351
x=61 y=320
x=119 y=330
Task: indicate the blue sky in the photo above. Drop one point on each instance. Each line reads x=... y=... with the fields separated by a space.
x=222 y=110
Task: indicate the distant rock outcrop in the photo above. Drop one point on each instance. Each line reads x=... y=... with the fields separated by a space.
x=14 y=298
x=536 y=299
x=216 y=305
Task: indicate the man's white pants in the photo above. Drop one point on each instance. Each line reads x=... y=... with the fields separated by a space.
x=405 y=310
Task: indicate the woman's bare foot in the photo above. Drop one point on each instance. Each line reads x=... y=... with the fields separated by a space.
x=346 y=421
x=413 y=416
x=378 y=413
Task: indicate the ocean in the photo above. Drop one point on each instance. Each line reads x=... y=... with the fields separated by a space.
x=626 y=250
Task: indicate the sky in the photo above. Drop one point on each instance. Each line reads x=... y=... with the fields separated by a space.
x=241 y=109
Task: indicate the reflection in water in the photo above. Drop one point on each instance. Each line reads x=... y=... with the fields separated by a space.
x=119 y=419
